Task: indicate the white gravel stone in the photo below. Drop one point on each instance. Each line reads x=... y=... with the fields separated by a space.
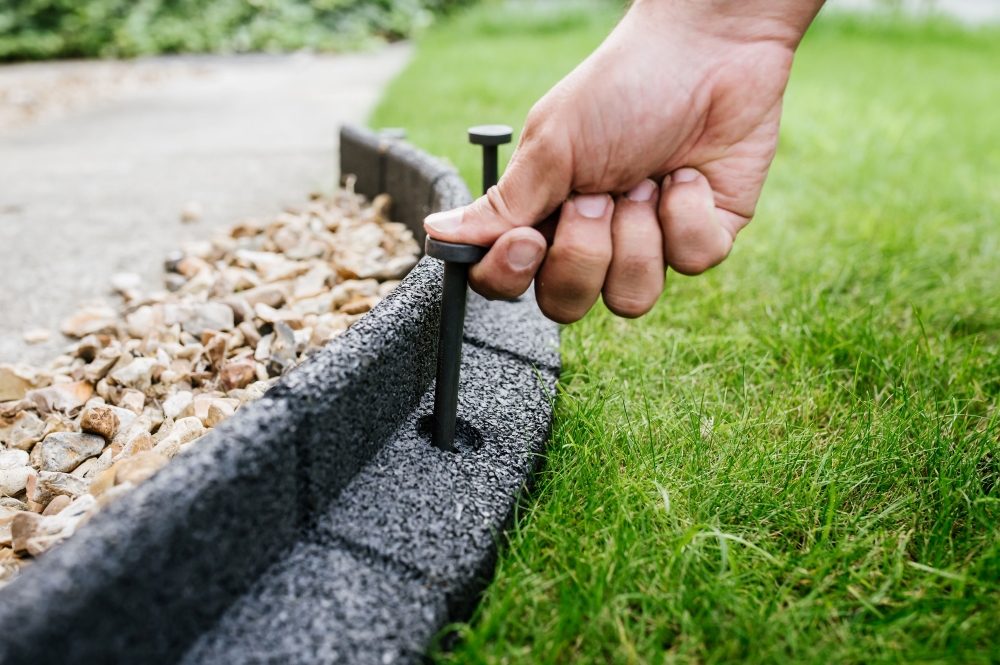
x=137 y=375
x=10 y=459
x=14 y=480
x=26 y=430
x=210 y=316
x=123 y=282
x=174 y=404
x=37 y=335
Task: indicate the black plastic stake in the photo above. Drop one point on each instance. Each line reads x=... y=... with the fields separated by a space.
x=457 y=259
x=490 y=136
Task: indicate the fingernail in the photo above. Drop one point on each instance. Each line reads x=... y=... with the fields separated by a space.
x=591 y=205
x=685 y=175
x=523 y=254
x=446 y=221
x=641 y=192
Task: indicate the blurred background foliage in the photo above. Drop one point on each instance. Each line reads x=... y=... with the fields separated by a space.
x=42 y=29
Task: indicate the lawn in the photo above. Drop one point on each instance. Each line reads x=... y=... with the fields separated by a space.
x=793 y=458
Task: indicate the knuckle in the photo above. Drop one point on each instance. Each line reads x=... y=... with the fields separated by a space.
x=578 y=253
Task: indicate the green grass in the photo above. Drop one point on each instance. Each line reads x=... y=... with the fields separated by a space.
x=795 y=457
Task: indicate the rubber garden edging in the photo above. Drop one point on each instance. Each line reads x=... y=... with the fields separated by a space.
x=318 y=524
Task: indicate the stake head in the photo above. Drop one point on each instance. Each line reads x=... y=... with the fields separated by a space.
x=454 y=252
x=490 y=134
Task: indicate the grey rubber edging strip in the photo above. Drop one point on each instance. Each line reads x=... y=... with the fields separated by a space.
x=317 y=524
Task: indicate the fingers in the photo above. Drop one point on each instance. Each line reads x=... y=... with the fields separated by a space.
x=510 y=265
x=694 y=240
x=573 y=273
x=635 y=277
x=535 y=182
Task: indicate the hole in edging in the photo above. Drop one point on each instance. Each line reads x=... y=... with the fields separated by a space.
x=467 y=437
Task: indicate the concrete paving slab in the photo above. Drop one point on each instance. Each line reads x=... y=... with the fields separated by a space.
x=101 y=191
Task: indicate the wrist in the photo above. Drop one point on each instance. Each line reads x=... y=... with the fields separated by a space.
x=780 y=21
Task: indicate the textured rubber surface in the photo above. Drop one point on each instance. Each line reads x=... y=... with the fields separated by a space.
x=424 y=521
x=318 y=524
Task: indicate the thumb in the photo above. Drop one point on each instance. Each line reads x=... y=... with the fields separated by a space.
x=536 y=181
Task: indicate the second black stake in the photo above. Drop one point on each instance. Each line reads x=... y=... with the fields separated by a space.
x=457 y=259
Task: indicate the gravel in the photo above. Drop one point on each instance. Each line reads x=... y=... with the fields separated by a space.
x=152 y=374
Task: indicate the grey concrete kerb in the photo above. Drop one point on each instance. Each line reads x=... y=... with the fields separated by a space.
x=318 y=525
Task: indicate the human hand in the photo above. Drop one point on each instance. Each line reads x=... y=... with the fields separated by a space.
x=651 y=153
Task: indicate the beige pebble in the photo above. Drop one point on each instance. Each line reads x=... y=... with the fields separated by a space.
x=218 y=411
x=143 y=423
x=49 y=484
x=359 y=304
x=191 y=212
x=86 y=468
x=138 y=443
x=254 y=392
x=133 y=400
x=100 y=366
x=61 y=397
x=35 y=534
x=56 y=505
x=100 y=420
x=37 y=336
x=7 y=516
x=13 y=383
x=91 y=317
x=139 y=467
x=101 y=463
x=113 y=494
x=190 y=444
x=250 y=333
x=387 y=287
x=23 y=527
x=184 y=430
x=272 y=295
x=238 y=375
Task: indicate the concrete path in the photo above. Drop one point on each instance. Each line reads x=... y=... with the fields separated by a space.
x=101 y=191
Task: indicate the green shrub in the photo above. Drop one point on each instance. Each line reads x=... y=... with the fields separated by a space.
x=37 y=29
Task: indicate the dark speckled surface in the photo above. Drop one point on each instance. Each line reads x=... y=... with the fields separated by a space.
x=318 y=525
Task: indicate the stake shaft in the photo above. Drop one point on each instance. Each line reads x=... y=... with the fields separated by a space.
x=457 y=259
x=489 y=167
x=453 y=289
